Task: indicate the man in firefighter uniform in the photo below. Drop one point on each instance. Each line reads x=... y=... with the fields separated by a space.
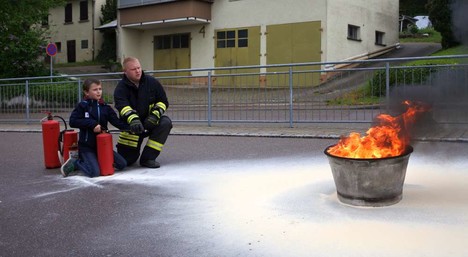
x=141 y=101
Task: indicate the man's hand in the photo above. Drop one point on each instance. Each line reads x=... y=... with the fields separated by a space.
x=151 y=122
x=136 y=126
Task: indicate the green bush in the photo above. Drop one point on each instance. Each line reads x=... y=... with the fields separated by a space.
x=413 y=29
x=407 y=76
x=58 y=93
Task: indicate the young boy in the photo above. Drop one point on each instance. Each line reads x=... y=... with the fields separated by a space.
x=91 y=117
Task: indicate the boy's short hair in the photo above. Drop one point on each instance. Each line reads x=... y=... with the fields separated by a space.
x=88 y=82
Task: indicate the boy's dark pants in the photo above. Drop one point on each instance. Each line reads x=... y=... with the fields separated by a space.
x=89 y=165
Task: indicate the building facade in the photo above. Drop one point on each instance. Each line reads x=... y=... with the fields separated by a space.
x=171 y=34
x=72 y=29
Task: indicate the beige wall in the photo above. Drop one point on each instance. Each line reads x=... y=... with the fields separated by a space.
x=335 y=15
x=78 y=31
x=139 y=43
x=369 y=15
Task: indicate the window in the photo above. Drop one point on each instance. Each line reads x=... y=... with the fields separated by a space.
x=221 y=39
x=180 y=41
x=163 y=42
x=227 y=39
x=83 y=10
x=59 y=46
x=242 y=38
x=45 y=21
x=354 y=32
x=172 y=41
x=68 y=13
x=379 y=38
x=84 y=44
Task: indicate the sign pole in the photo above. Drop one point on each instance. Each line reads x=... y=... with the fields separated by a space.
x=51 y=51
x=51 y=61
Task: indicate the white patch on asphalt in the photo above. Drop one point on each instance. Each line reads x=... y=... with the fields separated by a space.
x=289 y=207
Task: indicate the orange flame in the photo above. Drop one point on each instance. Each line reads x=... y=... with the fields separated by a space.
x=389 y=137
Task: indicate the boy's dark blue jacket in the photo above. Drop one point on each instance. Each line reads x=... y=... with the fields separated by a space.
x=87 y=115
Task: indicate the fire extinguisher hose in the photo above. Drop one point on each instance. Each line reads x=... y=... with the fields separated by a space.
x=120 y=130
x=60 y=138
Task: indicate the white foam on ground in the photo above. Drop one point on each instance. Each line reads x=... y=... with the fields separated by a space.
x=288 y=207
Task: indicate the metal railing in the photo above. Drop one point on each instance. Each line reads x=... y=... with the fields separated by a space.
x=343 y=92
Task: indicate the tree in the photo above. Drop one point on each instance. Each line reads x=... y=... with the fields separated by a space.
x=22 y=38
x=413 y=7
x=107 y=54
x=440 y=15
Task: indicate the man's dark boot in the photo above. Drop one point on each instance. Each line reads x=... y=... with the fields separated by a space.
x=150 y=164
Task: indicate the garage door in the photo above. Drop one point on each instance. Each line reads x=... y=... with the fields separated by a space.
x=294 y=43
x=172 y=52
x=236 y=47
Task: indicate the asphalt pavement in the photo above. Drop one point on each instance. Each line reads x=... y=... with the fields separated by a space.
x=228 y=196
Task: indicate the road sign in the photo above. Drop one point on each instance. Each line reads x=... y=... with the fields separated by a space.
x=51 y=49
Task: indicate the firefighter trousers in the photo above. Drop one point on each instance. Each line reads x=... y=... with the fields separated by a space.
x=129 y=145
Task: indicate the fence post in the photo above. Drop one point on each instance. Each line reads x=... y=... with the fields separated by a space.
x=290 y=97
x=387 y=86
x=209 y=99
x=27 y=102
x=79 y=90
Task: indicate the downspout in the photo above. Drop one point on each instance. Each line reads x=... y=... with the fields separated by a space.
x=325 y=35
x=93 y=30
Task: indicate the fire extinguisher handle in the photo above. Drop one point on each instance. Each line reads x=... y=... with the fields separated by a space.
x=122 y=130
x=104 y=129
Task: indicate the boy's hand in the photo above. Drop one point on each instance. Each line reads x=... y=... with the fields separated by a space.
x=97 y=129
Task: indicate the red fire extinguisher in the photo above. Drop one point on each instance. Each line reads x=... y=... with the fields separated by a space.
x=68 y=137
x=105 y=153
x=56 y=144
x=50 y=134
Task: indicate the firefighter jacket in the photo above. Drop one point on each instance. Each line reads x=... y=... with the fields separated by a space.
x=87 y=115
x=137 y=102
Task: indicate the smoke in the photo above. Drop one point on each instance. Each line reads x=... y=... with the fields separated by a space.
x=460 y=20
x=446 y=92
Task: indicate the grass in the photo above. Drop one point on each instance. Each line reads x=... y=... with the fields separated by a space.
x=461 y=49
x=356 y=97
x=458 y=50
x=428 y=35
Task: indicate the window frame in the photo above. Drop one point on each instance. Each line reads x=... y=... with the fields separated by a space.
x=230 y=38
x=68 y=13
x=45 y=21
x=59 y=46
x=172 y=41
x=84 y=44
x=84 y=13
x=244 y=40
x=379 y=38
x=354 y=32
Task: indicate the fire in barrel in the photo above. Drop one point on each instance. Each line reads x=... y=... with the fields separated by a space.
x=370 y=170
